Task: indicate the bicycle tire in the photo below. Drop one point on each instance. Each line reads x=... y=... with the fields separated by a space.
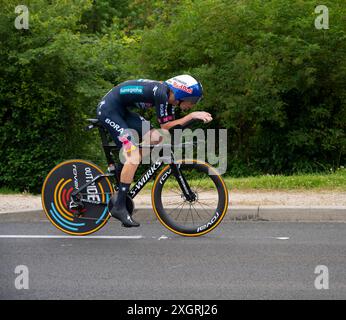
x=164 y=214
x=56 y=195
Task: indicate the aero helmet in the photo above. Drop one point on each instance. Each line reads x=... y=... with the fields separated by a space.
x=185 y=88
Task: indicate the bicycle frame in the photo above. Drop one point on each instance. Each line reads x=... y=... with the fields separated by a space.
x=139 y=185
x=144 y=179
x=175 y=167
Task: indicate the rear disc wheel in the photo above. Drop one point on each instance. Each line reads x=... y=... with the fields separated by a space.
x=58 y=205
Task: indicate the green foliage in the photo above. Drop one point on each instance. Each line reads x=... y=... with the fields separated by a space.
x=51 y=79
x=270 y=77
x=273 y=80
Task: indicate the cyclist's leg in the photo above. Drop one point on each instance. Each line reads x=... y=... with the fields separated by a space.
x=146 y=132
x=142 y=127
x=136 y=122
x=112 y=118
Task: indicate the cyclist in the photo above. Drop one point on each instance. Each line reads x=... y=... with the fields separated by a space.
x=114 y=111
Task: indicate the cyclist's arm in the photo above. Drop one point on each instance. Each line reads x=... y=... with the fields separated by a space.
x=181 y=121
x=164 y=110
x=197 y=115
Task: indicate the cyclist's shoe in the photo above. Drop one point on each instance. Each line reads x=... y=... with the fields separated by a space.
x=123 y=215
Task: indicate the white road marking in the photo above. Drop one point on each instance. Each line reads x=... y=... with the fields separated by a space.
x=282 y=238
x=162 y=237
x=22 y=236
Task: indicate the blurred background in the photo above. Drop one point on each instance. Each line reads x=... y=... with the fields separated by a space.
x=270 y=77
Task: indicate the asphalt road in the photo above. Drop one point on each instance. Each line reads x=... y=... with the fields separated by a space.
x=238 y=260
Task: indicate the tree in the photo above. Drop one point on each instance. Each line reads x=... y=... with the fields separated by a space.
x=52 y=77
x=276 y=82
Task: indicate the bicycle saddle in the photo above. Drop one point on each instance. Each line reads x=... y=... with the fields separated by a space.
x=92 y=124
x=93 y=121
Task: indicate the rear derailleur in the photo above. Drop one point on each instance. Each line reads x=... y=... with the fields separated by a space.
x=77 y=207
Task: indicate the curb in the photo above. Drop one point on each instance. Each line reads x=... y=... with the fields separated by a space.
x=238 y=213
x=316 y=214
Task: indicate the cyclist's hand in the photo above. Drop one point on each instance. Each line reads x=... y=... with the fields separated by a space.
x=201 y=115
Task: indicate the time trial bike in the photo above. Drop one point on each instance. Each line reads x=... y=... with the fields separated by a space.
x=189 y=197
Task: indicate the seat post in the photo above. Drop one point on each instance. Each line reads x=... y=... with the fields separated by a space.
x=106 y=147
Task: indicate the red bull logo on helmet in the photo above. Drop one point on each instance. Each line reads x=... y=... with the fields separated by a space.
x=182 y=87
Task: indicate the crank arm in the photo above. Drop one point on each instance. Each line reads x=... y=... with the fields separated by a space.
x=93 y=202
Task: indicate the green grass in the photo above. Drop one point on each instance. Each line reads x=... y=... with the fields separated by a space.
x=5 y=190
x=335 y=181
